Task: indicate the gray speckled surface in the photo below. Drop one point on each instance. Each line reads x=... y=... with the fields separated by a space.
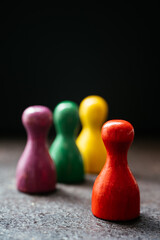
x=66 y=214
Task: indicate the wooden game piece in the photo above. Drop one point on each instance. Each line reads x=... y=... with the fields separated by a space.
x=64 y=151
x=36 y=172
x=115 y=194
x=93 y=111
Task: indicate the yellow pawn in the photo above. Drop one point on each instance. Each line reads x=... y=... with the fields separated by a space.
x=93 y=111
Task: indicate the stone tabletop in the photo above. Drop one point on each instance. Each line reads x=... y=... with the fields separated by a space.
x=66 y=213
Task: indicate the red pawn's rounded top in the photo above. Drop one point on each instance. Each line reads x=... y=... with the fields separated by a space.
x=118 y=131
x=37 y=116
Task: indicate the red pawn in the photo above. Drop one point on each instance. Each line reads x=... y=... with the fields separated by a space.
x=115 y=194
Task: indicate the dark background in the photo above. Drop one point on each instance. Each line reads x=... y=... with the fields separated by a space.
x=52 y=54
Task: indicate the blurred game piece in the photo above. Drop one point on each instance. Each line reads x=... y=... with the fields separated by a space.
x=93 y=112
x=36 y=172
x=115 y=194
x=64 y=151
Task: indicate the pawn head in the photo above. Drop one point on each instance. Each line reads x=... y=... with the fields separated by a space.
x=117 y=133
x=93 y=111
x=37 y=119
x=66 y=117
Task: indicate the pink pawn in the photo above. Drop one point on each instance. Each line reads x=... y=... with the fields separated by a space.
x=36 y=172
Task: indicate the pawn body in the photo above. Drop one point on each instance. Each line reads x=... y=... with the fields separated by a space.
x=36 y=172
x=64 y=151
x=115 y=194
x=93 y=112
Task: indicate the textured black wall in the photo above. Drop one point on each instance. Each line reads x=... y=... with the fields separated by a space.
x=49 y=55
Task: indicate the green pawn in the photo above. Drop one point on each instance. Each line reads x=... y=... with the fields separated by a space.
x=64 y=151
